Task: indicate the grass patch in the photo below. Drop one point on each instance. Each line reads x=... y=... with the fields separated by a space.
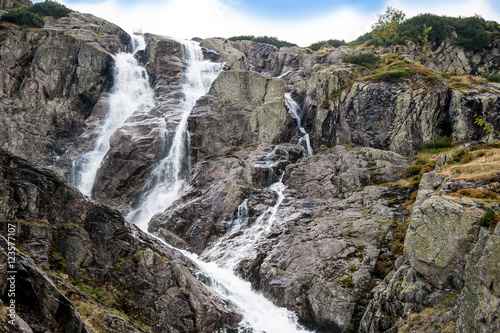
x=491 y=77
x=88 y=289
x=432 y=317
x=365 y=59
x=390 y=70
x=443 y=143
x=477 y=193
x=464 y=81
x=413 y=173
x=479 y=166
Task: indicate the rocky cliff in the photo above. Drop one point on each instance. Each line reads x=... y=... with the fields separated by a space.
x=365 y=237
x=51 y=80
x=83 y=267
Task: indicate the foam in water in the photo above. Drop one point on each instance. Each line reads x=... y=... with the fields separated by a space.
x=167 y=181
x=131 y=93
x=259 y=314
x=229 y=250
x=295 y=112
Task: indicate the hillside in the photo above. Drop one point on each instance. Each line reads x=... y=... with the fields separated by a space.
x=390 y=225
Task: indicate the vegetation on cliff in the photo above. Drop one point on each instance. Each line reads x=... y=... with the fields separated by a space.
x=331 y=42
x=31 y=16
x=474 y=33
x=264 y=39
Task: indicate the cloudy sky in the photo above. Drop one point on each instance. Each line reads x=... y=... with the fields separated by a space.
x=299 y=21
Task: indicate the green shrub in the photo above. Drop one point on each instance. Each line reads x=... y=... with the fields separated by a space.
x=363 y=59
x=316 y=46
x=88 y=289
x=393 y=75
x=488 y=218
x=474 y=33
x=23 y=17
x=264 y=39
x=440 y=143
x=335 y=93
x=336 y=42
x=50 y=8
x=431 y=79
x=491 y=77
x=411 y=170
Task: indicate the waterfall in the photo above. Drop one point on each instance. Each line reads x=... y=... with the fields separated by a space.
x=295 y=112
x=240 y=239
x=131 y=92
x=219 y=261
x=167 y=180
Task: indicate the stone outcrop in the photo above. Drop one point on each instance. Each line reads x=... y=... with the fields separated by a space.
x=51 y=80
x=242 y=108
x=467 y=104
x=384 y=115
x=318 y=258
x=12 y=3
x=446 y=254
x=479 y=302
x=62 y=230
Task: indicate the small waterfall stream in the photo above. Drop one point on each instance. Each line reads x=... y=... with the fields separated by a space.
x=295 y=112
x=131 y=93
x=167 y=181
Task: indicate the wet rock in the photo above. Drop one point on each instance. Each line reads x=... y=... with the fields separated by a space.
x=144 y=139
x=320 y=254
x=216 y=188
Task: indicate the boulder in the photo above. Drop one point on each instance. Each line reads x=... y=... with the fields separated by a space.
x=234 y=59
x=441 y=234
x=479 y=302
x=242 y=108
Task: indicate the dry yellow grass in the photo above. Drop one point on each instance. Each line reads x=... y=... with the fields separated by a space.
x=465 y=81
x=480 y=169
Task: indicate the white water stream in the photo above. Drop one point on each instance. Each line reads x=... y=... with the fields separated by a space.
x=131 y=93
x=167 y=181
x=295 y=112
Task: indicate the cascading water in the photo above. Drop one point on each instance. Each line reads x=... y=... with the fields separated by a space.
x=219 y=261
x=294 y=110
x=231 y=249
x=131 y=93
x=166 y=182
x=168 y=179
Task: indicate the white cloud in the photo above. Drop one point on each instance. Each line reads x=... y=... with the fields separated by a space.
x=211 y=18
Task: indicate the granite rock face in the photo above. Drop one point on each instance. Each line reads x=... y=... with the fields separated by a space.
x=241 y=108
x=46 y=95
x=56 y=225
